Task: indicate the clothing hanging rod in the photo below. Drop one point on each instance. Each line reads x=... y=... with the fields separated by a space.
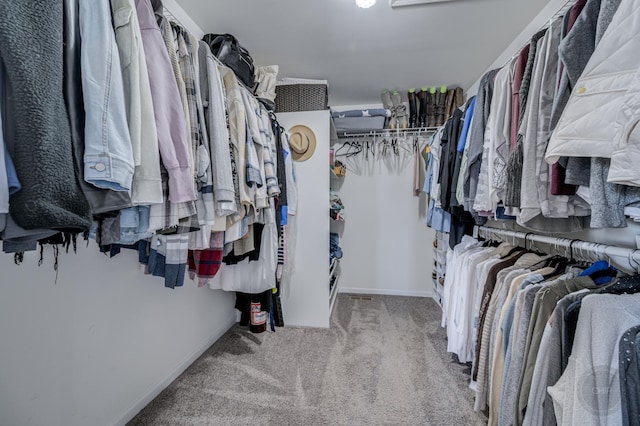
x=170 y=16
x=415 y=131
x=624 y=258
x=561 y=12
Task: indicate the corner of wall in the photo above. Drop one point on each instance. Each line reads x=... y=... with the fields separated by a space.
x=163 y=383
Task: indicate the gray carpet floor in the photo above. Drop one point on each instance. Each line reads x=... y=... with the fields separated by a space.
x=382 y=362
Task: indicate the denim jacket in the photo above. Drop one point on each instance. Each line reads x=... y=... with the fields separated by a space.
x=108 y=156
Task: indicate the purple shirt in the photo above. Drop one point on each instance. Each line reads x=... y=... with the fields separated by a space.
x=167 y=107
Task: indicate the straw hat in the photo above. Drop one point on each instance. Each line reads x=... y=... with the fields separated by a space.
x=302 y=141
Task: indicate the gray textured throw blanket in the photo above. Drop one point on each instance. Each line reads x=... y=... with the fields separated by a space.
x=32 y=51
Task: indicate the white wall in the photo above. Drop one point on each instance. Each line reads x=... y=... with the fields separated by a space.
x=307 y=301
x=541 y=20
x=95 y=344
x=387 y=246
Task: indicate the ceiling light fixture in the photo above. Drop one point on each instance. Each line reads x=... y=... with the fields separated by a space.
x=365 y=4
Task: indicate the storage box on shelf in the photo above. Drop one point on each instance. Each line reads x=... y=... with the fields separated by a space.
x=294 y=95
x=359 y=119
x=344 y=124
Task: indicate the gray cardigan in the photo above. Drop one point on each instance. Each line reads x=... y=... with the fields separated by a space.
x=476 y=138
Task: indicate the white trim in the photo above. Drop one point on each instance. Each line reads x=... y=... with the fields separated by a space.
x=385 y=292
x=154 y=391
x=398 y=3
x=183 y=18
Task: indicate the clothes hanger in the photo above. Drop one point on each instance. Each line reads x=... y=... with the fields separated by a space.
x=582 y=258
x=354 y=149
x=607 y=256
x=405 y=146
x=384 y=146
x=344 y=144
x=549 y=261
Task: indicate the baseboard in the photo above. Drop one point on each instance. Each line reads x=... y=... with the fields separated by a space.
x=155 y=390
x=385 y=292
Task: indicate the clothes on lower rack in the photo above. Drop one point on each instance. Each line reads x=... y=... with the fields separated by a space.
x=538 y=331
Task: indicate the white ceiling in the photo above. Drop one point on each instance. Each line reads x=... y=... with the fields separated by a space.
x=362 y=51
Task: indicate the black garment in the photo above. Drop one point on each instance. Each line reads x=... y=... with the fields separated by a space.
x=569 y=334
x=462 y=223
x=243 y=304
x=449 y=142
x=232 y=259
x=453 y=197
x=282 y=200
x=624 y=285
x=115 y=249
x=281 y=171
x=31 y=47
x=630 y=376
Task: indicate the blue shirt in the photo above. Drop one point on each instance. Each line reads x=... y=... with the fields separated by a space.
x=468 y=115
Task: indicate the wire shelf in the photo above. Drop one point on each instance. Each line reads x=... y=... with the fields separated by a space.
x=415 y=131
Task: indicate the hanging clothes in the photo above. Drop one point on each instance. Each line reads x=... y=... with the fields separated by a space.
x=476 y=140
x=191 y=170
x=523 y=125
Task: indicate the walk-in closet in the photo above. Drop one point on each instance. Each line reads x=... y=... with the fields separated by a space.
x=328 y=212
